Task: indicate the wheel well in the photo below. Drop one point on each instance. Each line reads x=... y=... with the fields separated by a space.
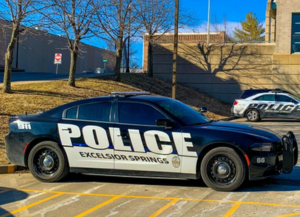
x=35 y=142
x=217 y=145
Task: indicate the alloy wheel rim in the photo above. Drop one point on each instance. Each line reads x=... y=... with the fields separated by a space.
x=221 y=170
x=46 y=162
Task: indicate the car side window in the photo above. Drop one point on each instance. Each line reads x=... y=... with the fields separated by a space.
x=283 y=98
x=266 y=97
x=72 y=113
x=136 y=113
x=95 y=111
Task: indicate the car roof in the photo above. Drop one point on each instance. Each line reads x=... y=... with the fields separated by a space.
x=133 y=98
x=251 y=92
x=265 y=93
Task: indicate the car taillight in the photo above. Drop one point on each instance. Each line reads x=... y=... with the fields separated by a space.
x=235 y=102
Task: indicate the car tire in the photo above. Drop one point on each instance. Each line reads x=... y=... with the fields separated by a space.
x=223 y=169
x=47 y=162
x=253 y=115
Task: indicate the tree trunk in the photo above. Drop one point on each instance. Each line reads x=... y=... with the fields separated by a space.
x=119 y=58
x=73 y=64
x=150 y=58
x=9 y=57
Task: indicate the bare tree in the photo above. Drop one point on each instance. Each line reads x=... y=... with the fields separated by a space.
x=75 y=19
x=156 y=16
x=157 y=19
x=114 y=18
x=15 y=12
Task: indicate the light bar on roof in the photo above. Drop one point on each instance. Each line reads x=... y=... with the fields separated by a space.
x=132 y=93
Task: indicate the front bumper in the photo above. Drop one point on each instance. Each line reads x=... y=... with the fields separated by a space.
x=281 y=160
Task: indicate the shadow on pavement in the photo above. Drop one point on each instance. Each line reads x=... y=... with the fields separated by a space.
x=270 y=184
x=10 y=195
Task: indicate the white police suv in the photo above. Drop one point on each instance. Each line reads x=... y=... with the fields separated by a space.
x=272 y=104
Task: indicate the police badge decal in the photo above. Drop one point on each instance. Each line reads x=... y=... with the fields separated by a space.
x=176 y=162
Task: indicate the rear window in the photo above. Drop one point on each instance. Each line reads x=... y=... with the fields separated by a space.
x=95 y=112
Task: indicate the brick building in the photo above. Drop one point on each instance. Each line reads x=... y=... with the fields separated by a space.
x=185 y=38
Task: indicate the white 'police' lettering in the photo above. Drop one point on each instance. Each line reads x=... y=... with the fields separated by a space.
x=117 y=140
x=68 y=131
x=136 y=140
x=182 y=145
x=150 y=137
x=158 y=142
x=95 y=137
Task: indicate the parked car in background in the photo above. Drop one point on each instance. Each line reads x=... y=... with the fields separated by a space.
x=266 y=103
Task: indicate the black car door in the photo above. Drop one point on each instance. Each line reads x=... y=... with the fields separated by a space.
x=140 y=144
x=84 y=134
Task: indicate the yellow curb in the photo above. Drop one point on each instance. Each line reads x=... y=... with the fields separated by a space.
x=8 y=169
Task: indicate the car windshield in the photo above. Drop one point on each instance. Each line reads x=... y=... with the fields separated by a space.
x=295 y=97
x=183 y=112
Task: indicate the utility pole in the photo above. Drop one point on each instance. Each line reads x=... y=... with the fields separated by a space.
x=208 y=23
x=128 y=47
x=175 y=50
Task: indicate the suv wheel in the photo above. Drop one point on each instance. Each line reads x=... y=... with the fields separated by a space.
x=253 y=115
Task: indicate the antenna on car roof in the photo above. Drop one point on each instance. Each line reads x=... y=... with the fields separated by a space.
x=131 y=93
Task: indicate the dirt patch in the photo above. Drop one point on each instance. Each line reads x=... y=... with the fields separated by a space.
x=35 y=97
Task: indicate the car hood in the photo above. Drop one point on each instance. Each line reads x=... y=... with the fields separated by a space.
x=244 y=128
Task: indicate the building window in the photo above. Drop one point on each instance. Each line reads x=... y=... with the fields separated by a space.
x=295 y=33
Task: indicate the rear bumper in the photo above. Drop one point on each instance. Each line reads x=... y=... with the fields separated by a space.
x=274 y=163
x=14 y=151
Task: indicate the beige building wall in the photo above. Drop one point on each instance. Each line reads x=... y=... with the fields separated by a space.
x=187 y=38
x=224 y=73
x=285 y=8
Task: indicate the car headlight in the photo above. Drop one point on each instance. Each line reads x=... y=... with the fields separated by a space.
x=262 y=147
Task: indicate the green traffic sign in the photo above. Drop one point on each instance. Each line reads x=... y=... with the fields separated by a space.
x=105 y=61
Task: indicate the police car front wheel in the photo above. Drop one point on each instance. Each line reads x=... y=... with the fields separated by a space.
x=222 y=169
x=47 y=162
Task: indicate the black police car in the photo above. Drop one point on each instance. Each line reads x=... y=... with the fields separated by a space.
x=136 y=134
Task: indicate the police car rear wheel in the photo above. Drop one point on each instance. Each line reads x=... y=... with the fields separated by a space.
x=47 y=162
x=222 y=169
x=253 y=115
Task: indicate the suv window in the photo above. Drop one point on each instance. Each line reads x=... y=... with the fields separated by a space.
x=266 y=97
x=283 y=98
x=95 y=111
x=136 y=113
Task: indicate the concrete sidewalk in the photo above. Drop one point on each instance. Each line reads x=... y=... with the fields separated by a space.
x=30 y=77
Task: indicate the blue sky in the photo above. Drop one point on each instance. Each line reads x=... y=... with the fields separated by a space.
x=234 y=10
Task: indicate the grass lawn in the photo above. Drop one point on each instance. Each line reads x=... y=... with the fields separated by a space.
x=34 y=97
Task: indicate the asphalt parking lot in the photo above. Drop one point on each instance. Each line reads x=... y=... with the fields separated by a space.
x=85 y=195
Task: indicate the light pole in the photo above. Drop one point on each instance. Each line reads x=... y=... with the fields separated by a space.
x=128 y=46
x=208 y=22
x=174 y=79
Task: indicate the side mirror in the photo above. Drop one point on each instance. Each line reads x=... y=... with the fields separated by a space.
x=165 y=123
x=202 y=109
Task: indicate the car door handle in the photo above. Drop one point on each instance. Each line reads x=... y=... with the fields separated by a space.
x=67 y=129
x=124 y=135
